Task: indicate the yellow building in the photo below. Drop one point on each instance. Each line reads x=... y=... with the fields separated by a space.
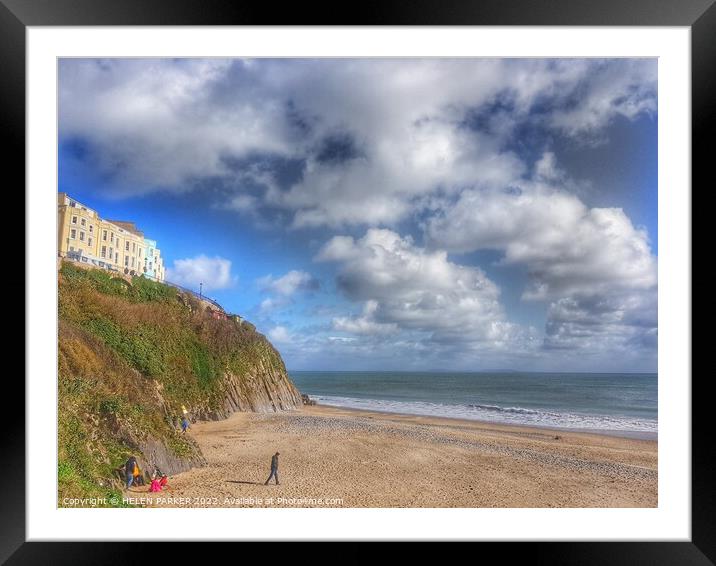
x=77 y=228
x=126 y=242
x=116 y=245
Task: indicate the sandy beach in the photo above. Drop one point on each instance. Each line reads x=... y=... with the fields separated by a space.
x=334 y=457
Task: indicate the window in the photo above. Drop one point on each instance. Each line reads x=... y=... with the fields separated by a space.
x=111 y=252
x=111 y=237
x=126 y=246
x=134 y=248
x=83 y=221
x=132 y=262
x=104 y=235
x=104 y=251
x=91 y=228
x=73 y=233
x=73 y=203
x=126 y=261
x=82 y=236
x=89 y=241
x=116 y=257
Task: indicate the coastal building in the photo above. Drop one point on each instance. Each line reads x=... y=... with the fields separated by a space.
x=159 y=265
x=153 y=265
x=116 y=245
x=127 y=242
x=77 y=229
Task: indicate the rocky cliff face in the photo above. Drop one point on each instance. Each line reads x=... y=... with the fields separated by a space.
x=132 y=357
x=261 y=390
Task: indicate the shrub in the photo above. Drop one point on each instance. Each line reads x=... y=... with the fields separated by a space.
x=113 y=405
x=146 y=290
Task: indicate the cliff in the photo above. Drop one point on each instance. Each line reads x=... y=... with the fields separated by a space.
x=131 y=356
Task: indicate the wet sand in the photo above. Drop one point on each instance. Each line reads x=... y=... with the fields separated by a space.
x=333 y=457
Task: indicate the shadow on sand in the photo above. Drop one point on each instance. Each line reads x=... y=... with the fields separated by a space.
x=248 y=482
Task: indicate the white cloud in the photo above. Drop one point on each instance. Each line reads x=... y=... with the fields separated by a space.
x=212 y=272
x=280 y=334
x=403 y=165
x=546 y=169
x=593 y=265
x=627 y=89
x=413 y=289
x=269 y=304
x=617 y=327
x=242 y=203
x=364 y=324
x=159 y=123
x=403 y=125
x=288 y=284
x=567 y=247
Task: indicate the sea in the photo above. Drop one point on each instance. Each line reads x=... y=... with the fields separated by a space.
x=609 y=403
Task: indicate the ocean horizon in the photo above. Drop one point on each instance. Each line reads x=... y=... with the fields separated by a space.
x=619 y=403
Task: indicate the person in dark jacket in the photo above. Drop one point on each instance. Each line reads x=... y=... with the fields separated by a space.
x=129 y=470
x=274 y=468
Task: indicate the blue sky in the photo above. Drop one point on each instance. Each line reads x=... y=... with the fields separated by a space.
x=389 y=214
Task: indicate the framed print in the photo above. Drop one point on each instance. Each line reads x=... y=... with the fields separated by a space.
x=422 y=275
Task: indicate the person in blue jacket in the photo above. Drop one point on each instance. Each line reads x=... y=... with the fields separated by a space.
x=129 y=470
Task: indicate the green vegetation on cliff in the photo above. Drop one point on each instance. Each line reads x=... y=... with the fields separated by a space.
x=130 y=355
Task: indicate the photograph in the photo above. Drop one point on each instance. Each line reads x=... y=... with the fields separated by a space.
x=357 y=282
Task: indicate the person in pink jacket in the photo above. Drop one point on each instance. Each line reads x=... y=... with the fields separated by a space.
x=155 y=485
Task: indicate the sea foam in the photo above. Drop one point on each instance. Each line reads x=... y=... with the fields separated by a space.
x=497 y=414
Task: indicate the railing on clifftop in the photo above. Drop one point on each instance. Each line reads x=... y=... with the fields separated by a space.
x=181 y=288
x=90 y=261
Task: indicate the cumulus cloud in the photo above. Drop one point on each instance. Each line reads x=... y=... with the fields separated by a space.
x=280 y=334
x=159 y=123
x=374 y=136
x=409 y=163
x=290 y=283
x=627 y=89
x=270 y=304
x=407 y=287
x=364 y=324
x=547 y=170
x=568 y=247
x=593 y=265
x=617 y=323
x=213 y=272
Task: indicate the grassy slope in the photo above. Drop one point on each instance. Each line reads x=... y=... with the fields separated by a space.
x=130 y=355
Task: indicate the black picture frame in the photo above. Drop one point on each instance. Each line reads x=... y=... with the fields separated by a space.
x=698 y=15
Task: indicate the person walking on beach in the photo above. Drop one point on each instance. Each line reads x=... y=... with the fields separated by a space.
x=274 y=468
x=184 y=424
